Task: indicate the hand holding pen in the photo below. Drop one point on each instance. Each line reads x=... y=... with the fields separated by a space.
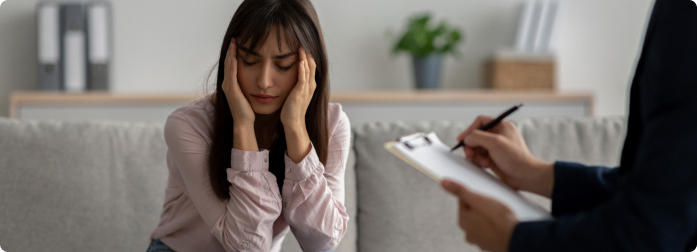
x=490 y=125
x=502 y=149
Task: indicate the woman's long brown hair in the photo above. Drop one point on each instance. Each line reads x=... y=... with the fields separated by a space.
x=252 y=22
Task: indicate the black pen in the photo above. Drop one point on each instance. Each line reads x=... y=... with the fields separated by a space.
x=491 y=124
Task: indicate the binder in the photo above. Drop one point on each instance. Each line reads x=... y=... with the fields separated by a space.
x=522 y=38
x=544 y=28
x=428 y=154
x=99 y=50
x=535 y=20
x=49 y=43
x=74 y=47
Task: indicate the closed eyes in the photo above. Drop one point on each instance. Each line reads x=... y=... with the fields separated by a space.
x=245 y=63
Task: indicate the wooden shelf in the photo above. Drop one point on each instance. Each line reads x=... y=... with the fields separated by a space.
x=476 y=95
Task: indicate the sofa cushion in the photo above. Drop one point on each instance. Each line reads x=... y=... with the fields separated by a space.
x=94 y=186
x=401 y=209
x=79 y=186
x=592 y=141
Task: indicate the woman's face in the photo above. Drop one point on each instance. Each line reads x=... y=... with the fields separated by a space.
x=268 y=75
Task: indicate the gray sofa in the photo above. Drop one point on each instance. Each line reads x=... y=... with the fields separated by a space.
x=99 y=186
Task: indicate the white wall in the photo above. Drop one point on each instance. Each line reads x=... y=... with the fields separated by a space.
x=169 y=46
x=599 y=47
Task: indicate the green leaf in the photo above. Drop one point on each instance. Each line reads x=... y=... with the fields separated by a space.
x=421 y=39
x=455 y=35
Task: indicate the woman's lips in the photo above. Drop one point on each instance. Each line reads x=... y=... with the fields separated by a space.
x=262 y=98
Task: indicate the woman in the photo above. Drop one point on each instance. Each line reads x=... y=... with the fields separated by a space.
x=266 y=152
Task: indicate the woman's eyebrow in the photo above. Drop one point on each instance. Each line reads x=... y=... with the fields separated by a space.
x=247 y=51
x=283 y=56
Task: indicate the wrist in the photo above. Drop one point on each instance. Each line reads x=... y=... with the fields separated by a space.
x=296 y=134
x=543 y=184
x=244 y=138
x=242 y=129
x=297 y=141
x=295 y=127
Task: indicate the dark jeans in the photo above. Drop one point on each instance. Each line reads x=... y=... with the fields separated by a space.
x=157 y=246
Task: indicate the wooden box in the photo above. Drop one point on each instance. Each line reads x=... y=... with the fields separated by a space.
x=516 y=71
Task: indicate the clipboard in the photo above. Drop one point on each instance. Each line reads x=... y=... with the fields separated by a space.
x=428 y=154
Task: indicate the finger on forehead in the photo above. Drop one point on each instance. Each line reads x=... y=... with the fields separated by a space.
x=232 y=48
x=302 y=75
x=301 y=52
x=311 y=60
x=307 y=64
x=312 y=65
x=232 y=43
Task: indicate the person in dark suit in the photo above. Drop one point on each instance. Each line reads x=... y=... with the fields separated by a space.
x=649 y=203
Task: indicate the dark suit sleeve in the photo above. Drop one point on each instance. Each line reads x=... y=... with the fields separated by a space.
x=578 y=187
x=653 y=206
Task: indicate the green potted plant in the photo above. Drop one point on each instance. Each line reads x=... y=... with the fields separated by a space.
x=427 y=45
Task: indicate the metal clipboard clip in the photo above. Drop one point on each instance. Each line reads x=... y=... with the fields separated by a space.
x=417 y=142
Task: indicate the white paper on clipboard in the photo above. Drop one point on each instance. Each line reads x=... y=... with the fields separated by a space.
x=428 y=154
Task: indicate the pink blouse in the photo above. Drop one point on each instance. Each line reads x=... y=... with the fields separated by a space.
x=257 y=216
